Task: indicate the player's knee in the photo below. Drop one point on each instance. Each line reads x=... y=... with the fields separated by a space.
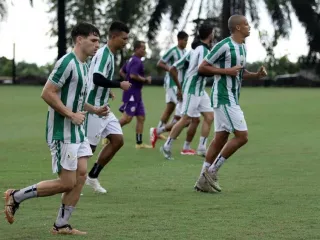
x=81 y=178
x=243 y=139
x=117 y=142
x=141 y=119
x=67 y=186
x=209 y=118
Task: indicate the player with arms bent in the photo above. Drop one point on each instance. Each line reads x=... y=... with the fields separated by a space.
x=226 y=62
x=65 y=93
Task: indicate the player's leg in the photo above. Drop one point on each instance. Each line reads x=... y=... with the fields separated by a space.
x=113 y=132
x=128 y=113
x=235 y=123
x=171 y=101
x=191 y=132
x=71 y=198
x=140 y=115
x=189 y=107
x=64 y=162
x=207 y=113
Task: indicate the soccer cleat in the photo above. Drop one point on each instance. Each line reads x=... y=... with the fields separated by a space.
x=166 y=153
x=212 y=180
x=95 y=184
x=10 y=206
x=202 y=185
x=201 y=152
x=153 y=137
x=65 y=230
x=142 y=145
x=105 y=141
x=188 y=152
x=162 y=137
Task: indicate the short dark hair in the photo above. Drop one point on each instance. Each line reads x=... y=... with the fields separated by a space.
x=84 y=29
x=204 y=31
x=137 y=44
x=182 y=35
x=118 y=26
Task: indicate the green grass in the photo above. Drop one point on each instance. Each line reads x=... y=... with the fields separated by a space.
x=270 y=187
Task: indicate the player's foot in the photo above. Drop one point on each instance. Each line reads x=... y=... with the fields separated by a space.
x=95 y=184
x=212 y=180
x=105 y=141
x=153 y=137
x=162 y=137
x=188 y=152
x=166 y=153
x=66 y=230
x=142 y=145
x=202 y=185
x=201 y=152
x=10 y=206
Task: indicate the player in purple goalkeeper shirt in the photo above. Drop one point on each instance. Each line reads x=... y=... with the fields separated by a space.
x=133 y=106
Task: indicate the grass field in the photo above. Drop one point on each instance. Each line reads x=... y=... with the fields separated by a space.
x=269 y=186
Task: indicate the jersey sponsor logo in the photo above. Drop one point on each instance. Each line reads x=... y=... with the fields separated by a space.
x=132 y=109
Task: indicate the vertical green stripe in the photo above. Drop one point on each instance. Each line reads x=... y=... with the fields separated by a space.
x=216 y=49
x=233 y=63
x=103 y=96
x=92 y=95
x=212 y=94
x=187 y=105
x=58 y=154
x=223 y=97
x=58 y=122
x=86 y=125
x=193 y=84
x=76 y=101
x=61 y=69
x=105 y=56
x=242 y=53
x=167 y=54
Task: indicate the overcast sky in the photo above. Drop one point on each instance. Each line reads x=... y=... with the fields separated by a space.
x=28 y=27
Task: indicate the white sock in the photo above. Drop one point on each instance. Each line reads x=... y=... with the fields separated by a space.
x=203 y=143
x=205 y=165
x=161 y=130
x=160 y=124
x=168 y=143
x=64 y=215
x=186 y=145
x=217 y=164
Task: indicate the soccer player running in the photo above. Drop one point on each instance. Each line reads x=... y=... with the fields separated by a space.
x=195 y=99
x=133 y=105
x=181 y=66
x=167 y=60
x=101 y=73
x=226 y=62
x=65 y=93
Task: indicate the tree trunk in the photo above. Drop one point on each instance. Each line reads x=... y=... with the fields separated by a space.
x=225 y=16
x=62 y=41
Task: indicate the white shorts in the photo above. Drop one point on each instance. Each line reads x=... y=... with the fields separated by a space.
x=100 y=127
x=178 y=109
x=65 y=155
x=229 y=118
x=171 y=95
x=193 y=105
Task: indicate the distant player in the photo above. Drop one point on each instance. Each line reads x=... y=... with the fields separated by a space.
x=178 y=72
x=226 y=62
x=133 y=106
x=65 y=92
x=101 y=73
x=196 y=101
x=170 y=57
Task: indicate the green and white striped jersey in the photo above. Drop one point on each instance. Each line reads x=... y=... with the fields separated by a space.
x=102 y=63
x=226 y=54
x=71 y=76
x=195 y=84
x=180 y=65
x=170 y=57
